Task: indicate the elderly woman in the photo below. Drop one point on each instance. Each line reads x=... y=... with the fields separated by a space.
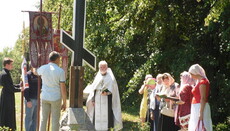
x=146 y=89
x=200 y=109
x=166 y=118
x=154 y=103
x=184 y=103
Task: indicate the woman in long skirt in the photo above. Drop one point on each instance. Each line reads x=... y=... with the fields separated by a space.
x=182 y=114
x=170 y=87
x=200 y=109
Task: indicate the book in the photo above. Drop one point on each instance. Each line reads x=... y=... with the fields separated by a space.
x=161 y=95
x=173 y=98
x=167 y=97
x=105 y=90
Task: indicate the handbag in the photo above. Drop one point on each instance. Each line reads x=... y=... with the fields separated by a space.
x=168 y=111
x=200 y=128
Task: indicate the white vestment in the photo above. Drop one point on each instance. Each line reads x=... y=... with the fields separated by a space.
x=99 y=112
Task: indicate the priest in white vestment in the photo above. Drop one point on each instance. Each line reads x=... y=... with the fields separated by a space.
x=103 y=103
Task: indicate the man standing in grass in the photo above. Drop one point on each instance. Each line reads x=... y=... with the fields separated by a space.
x=53 y=95
x=7 y=99
x=30 y=95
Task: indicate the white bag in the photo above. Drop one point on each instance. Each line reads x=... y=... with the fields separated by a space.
x=167 y=112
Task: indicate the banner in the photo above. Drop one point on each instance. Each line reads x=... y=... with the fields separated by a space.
x=40 y=38
x=24 y=74
x=61 y=49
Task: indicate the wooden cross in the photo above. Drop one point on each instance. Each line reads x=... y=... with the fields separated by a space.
x=79 y=53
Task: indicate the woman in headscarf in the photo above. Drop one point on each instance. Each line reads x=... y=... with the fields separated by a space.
x=169 y=89
x=200 y=109
x=182 y=114
x=154 y=103
x=144 y=90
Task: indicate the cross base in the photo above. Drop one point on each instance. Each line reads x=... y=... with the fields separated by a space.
x=78 y=120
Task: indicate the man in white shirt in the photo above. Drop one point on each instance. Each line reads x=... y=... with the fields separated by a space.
x=53 y=95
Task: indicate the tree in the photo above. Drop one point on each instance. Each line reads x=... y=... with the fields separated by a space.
x=138 y=37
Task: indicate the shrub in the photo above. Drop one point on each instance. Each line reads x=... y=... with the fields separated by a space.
x=5 y=129
x=222 y=126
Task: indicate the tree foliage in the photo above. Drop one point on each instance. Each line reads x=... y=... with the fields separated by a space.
x=138 y=37
x=17 y=53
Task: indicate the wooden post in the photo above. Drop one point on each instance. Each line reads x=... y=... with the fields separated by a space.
x=38 y=102
x=39 y=77
x=76 y=86
x=59 y=17
x=22 y=109
x=72 y=84
x=22 y=93
x=80 y=76
x=48 y=128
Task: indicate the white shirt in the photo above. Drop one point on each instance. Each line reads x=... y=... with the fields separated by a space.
x=52 y=75
x=152 y=99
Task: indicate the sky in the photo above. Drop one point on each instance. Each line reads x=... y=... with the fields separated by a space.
x=12 y=18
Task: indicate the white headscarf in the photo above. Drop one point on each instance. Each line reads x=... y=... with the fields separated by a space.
x=186 y=79
x=196 y=69
x=171 y=79
x=148 y=76
x=165 y=89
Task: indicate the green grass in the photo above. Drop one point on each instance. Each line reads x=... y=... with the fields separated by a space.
x=18 y=110
x=130 y=115
x=130 y=122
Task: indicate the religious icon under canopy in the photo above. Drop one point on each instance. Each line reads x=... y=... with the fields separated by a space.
x=40 y=38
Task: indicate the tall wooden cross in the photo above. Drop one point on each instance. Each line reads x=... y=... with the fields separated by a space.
x=79 y=53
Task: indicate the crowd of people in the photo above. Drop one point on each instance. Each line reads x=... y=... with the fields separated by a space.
x=167 y=105
x=103 y=105
x=53 y=95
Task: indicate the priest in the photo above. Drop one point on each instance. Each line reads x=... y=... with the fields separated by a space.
x=103 y=103
x=7 y=98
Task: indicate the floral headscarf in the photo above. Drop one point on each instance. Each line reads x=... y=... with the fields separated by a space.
x=186 y=79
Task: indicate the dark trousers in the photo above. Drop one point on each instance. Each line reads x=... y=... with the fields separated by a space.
x=153 y=123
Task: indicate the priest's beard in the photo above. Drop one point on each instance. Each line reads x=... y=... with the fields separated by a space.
x=103 y=73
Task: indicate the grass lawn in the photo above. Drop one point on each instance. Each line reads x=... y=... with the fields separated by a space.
x=18 y=110
x=129 y=115
x=130 y=121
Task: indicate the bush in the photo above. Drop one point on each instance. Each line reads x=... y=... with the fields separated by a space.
x=5 y=129
x=222 y=127
x=143 y=126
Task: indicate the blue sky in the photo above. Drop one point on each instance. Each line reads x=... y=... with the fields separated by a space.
x=12 y=18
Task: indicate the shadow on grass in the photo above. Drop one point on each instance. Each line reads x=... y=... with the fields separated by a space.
x=130 y=116
x=132 y=110
x=130 y=126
